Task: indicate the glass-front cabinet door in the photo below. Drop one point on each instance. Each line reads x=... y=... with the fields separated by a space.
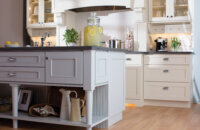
x=33 y=12
x=181 y=9
x=39 y=13
x=168 y=10
x=158 y=8
x=48 y=15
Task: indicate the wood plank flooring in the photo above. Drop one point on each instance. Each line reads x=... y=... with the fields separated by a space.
x=145 y=118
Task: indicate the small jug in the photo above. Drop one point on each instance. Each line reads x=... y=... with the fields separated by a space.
x=76 y=105
x=65 y=112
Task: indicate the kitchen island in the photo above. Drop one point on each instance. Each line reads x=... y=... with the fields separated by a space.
x=99 y=71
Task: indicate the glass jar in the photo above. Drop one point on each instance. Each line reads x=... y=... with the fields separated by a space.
x=93 y=33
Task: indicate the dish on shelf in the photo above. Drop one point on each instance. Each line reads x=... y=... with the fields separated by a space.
x=11 y=45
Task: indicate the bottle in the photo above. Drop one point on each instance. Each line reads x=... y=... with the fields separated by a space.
x=93 y=33
x=129 y=42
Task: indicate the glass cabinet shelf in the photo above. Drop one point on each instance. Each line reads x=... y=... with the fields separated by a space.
x=39 y=13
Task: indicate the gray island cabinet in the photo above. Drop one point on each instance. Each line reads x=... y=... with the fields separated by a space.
x=99 y=71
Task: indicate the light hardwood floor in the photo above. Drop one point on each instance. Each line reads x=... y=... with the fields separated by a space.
x=145 y=118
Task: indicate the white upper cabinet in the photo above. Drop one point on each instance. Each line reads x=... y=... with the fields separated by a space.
x=169 y=11
x=39 y=14
x=64 y=5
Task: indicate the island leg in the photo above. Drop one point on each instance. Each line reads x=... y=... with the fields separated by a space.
x=89 y=102
x=15 y=88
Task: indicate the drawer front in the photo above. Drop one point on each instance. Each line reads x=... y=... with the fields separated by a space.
x=167 y=91
x=64 y=67
x=22 y=59
x=134 y=59
x=19 y=74
x=158 y=59
x=168 y=73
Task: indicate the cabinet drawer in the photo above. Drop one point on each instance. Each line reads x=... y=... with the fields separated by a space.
x=134 y=59
x=64 y=67
x=22 y=59
x=158 y=59
x=167 y=91
x=166 y=73
x=19 y=74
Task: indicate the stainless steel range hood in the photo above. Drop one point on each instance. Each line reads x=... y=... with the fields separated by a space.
x=91 y=5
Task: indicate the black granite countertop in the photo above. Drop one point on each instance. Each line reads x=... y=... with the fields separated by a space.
x=82 y=48
x=156 y=52
x=74 y=48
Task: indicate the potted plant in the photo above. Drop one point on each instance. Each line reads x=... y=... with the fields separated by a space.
x=71 y=37
x=175 y=44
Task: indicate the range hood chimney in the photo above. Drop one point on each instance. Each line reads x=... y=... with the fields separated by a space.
x=91 y=5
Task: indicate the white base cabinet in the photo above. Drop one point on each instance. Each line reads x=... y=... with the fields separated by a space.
x=100 y=73
x=167 y=80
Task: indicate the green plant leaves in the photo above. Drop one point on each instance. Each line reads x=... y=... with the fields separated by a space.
x=175 y=43
x=71 y=35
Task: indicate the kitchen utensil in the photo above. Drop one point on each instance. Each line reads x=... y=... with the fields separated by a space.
x=114 y=43
x=65 y=112
x=76 y=105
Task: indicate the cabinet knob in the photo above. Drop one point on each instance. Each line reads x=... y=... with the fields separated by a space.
x=128 y=59
x=167 y=16
x=165 y=88
x=171 y=16
x=165 y=71
x=11 y=59
x=46 y=58
x=12 y=74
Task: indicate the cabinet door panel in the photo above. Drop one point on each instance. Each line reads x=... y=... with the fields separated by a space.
x=133 y=82
x=158 y=9
x=116 y=83
x=64 y=67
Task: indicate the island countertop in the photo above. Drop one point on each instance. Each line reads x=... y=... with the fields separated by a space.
x=74 y=48
x=82 y=48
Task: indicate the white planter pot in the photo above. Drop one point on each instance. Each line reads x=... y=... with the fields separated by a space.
x=71 y=44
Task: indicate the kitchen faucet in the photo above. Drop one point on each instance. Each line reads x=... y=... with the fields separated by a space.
x=43 y=38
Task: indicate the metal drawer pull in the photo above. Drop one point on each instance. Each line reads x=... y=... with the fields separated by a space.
x=12 y=74
x=165 y=71
x=165 y=88
x=166 y=59
x=11 y=59
x=129 y=59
